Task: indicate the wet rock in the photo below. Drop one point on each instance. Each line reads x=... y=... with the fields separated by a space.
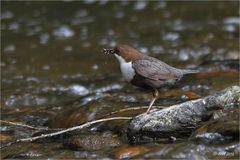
x=129 y=152
x=180 y=120
x=222 y=129
x=91 y=142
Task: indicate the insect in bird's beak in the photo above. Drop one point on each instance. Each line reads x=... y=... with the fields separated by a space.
x=108 y=51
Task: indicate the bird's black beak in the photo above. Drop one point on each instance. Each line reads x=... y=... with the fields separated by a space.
x=108 y=51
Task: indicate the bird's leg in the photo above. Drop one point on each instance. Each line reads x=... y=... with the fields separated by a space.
x=155 y=95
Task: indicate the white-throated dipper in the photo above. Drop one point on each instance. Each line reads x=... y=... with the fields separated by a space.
x=145 y=71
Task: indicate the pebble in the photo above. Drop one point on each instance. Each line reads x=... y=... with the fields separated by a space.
x=129 y=152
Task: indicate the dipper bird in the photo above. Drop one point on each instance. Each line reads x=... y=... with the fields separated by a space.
x=145 y=71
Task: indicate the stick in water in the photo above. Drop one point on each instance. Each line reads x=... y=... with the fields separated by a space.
x=65 y=130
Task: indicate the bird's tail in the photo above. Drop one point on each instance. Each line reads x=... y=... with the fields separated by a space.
x=189 y=71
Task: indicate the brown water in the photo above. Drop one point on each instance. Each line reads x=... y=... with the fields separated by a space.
x=54 y=74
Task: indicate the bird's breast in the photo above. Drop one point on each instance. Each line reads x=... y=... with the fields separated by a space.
x=127 y=71
x=126 y=68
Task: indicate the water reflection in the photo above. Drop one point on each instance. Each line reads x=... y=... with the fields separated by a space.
x=7 y=15
x=9 y=48
x=63 y=32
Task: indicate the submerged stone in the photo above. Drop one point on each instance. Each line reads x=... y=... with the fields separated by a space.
x=91 y=142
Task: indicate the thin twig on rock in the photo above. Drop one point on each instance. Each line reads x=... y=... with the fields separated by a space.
x=130 y=109
x=87 y=124
x=23 y=125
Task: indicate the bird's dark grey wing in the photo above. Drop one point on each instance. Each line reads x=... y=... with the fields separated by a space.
x=155 y=69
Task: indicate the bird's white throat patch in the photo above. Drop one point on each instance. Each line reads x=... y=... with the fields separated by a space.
x=126 y=68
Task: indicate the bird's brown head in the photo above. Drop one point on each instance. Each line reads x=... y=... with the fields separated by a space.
x=126 y=52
